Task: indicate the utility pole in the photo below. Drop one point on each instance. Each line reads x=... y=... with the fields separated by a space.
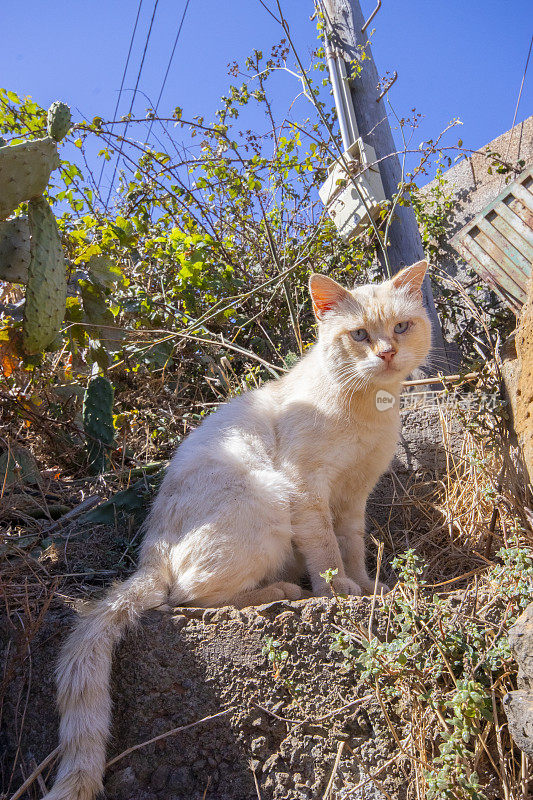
x=346 y=26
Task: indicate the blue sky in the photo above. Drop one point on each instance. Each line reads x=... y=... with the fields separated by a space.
x=462 y=58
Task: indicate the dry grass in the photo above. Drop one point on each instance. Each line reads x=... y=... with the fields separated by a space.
x=456 y=521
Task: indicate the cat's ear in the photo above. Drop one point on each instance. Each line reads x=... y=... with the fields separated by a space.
x=326 y=294
x=411 y=277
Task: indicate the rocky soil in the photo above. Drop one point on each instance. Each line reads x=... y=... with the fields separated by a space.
x=176 y=669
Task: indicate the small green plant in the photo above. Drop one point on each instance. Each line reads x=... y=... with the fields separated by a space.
x=433 y=209
x=274 y=653
x=328 y=575
x=513 y=578
x=278 y=656
x=442 y=671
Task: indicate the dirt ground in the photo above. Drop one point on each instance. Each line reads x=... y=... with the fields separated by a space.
x=301 y=732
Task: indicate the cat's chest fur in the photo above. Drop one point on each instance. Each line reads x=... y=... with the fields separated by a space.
x=358 y=466
x=334 y=453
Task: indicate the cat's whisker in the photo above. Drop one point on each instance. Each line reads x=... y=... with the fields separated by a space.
x=351 y=372
x=440 y=360
x=359 y=385
x=352 y=381
x=348 y=378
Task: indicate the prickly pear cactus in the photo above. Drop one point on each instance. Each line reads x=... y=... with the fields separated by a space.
x=17 y=464
x=46 y=289
x=98 y=422
x=58 y=120
x=14 y=250
x=25 y=171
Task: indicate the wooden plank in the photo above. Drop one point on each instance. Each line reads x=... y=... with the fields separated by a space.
x=512 y=283
x=501 y=199
x=511 y=261
x=523 y=245
x=527 y=182
x=498 y=242
x=514 y=222
x=525 y=195
x=470 y=259
x=517 y=204
x=487 y=267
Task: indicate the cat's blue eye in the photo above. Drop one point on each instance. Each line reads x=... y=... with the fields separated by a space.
x=401 y=327
x=359 y=335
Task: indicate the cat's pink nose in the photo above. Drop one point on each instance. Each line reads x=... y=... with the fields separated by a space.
x=387 y=355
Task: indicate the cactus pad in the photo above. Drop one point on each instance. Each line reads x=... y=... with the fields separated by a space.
x=25 y=171
x=46 y=289
x=17 y=465
x=58 y=120
x=98 y=422
x=14 y=250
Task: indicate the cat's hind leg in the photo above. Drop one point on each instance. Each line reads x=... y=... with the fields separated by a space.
x=281 y=590
x=235 y=538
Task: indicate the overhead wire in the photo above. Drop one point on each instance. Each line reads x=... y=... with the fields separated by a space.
x=168 y=66
x=132 y=100
x=523 y=80
x=517 y=104
x=122 y=81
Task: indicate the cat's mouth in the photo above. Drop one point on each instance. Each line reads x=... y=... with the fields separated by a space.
x=390 y=368
x=390 y=373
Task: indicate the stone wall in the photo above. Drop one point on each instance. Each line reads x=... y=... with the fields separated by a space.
x=519 y=704
x=518 y=378
x=523 y=410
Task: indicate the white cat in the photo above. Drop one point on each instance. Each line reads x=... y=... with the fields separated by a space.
x=271 y=486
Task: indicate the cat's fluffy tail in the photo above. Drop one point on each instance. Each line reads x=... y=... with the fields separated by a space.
x=83 y=674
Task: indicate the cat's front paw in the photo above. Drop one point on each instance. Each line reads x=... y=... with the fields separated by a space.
x=343 y=586
x=368 y=587
x=347 y=586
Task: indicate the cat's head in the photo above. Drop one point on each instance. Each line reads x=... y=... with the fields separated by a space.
x=373 y=334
